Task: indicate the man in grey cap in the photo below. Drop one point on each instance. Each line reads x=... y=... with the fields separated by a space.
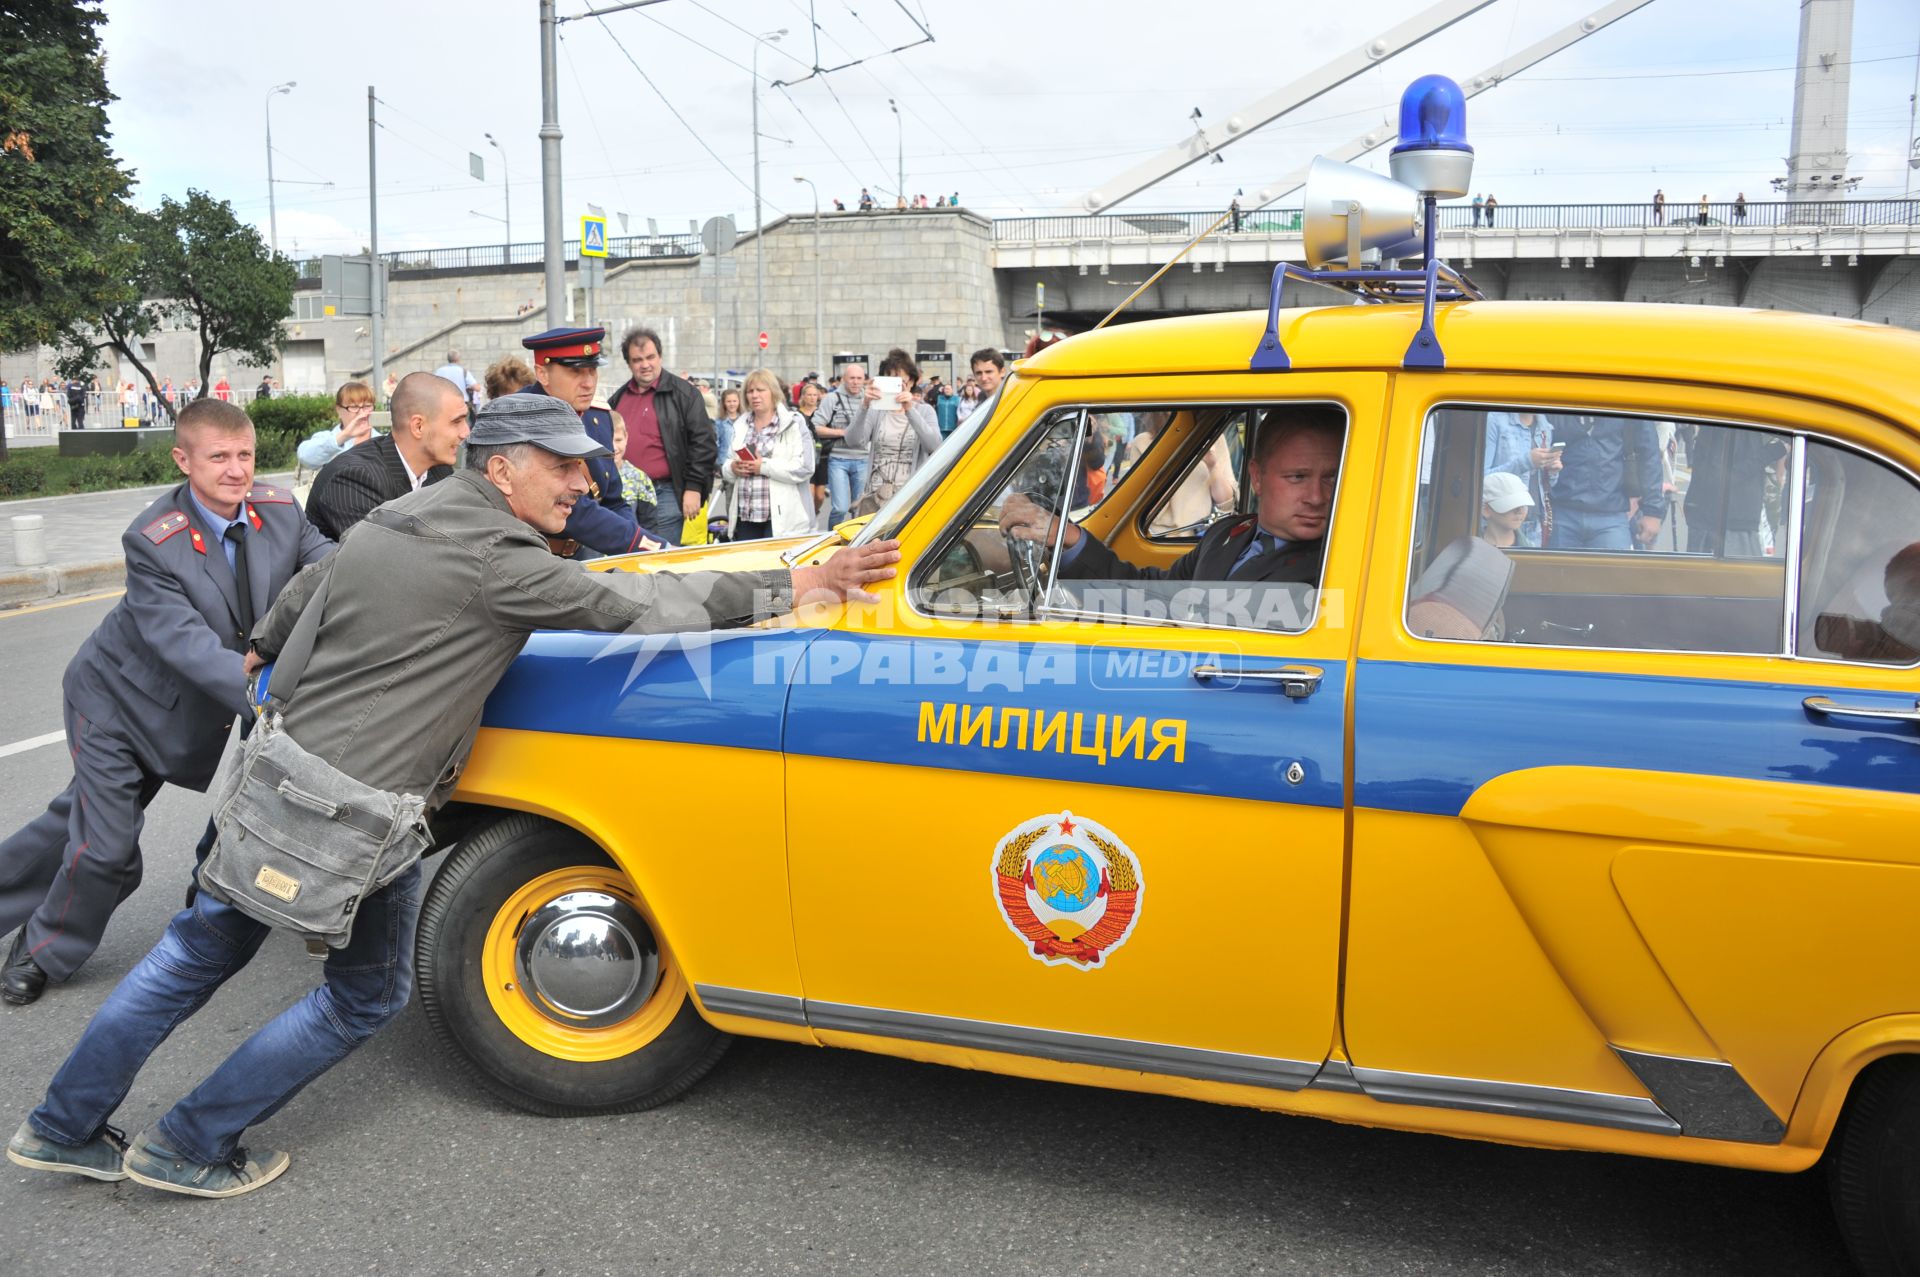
x=428 y=603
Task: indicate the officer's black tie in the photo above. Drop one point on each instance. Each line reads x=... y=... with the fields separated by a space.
x=243 y=588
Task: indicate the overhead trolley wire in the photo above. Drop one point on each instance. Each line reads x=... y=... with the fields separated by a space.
x=691 y=131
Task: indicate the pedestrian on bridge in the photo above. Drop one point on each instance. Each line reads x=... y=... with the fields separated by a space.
x=1488 y=208
x=1477 y=203
x=1659 y=208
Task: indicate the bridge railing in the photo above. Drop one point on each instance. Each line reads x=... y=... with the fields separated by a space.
x=481 y=256
x=1527 y=217
x=1675 y=216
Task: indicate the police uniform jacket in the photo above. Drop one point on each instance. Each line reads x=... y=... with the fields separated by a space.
x=353 y=483
x=1211 y=560
x=432 y=598
x=686 y=431
x=602 y=521
x=163 y=670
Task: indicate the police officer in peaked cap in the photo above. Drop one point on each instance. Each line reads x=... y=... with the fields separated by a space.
x=566 y=365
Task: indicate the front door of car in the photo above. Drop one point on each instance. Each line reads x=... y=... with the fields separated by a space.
x=1101 y=822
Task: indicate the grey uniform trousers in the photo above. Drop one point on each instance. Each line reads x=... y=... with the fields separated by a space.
x=65 y=872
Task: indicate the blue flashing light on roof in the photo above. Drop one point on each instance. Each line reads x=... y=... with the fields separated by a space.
x=1433 y=156
x=1433 y=116
x=1358 y=216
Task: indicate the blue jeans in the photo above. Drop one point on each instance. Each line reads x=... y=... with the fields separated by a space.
x=846 y=480
x=665 y=521
x=364 y=985
x=1587 y=530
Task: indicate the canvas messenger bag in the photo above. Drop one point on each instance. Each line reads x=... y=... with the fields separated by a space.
x=300 y=843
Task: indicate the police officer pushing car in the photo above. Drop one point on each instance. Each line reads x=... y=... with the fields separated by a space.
x=151 y=696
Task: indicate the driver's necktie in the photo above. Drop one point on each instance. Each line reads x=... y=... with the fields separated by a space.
x=1258 y=546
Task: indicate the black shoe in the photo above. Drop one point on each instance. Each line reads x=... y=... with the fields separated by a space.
x=22 y=980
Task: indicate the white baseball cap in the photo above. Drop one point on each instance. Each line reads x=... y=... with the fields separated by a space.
x=1503 y=492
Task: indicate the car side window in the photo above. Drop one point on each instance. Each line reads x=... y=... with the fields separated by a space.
x=1187 y=558
x=976 y=569
x=1566 y=528
x=1208 y=487
x=1859 y=560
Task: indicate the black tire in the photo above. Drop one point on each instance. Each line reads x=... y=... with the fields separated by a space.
x=463 y=906
x=1873 y=1169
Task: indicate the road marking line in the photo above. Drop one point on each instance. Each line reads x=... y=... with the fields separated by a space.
x=22 y=746
x=46 y=607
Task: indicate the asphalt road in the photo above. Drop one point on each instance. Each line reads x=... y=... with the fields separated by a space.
x=792 y=1160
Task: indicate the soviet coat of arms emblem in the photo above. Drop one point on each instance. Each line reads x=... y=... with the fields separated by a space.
x=1068 y=887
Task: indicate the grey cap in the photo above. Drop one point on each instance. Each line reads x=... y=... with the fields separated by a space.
x=538 y=419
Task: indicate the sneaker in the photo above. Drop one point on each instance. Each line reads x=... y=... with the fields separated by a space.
x=98 y=1158
x=152 y=1163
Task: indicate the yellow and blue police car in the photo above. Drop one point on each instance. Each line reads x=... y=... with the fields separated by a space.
x=1560 y=791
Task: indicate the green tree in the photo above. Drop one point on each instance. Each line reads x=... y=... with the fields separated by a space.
x=196 y=266
x=61 y=188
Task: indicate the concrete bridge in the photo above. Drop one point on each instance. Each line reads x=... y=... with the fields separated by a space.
x=949 y=279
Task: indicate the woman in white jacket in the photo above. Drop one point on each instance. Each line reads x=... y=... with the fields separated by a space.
x=768 y=495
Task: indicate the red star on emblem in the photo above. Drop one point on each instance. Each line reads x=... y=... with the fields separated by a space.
x=1066 y=823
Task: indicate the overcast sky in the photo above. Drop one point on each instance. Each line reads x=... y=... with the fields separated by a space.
x=1019 y=105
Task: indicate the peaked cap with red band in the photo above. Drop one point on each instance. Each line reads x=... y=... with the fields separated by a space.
x=577 y=347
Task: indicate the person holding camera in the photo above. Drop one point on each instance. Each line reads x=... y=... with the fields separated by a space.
x=353 y=407
x=897 y=428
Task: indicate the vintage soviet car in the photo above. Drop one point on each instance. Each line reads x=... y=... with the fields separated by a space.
x=1599 y=838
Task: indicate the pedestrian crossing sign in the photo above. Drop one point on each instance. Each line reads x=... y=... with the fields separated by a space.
x=593 y=237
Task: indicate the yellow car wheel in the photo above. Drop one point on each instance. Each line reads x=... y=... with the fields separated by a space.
x=538 y=967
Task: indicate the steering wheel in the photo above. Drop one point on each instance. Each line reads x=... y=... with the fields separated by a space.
x=1025 y=556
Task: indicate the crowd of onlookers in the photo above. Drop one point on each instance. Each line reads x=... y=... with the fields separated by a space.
x=41 y=405
x=787 y=458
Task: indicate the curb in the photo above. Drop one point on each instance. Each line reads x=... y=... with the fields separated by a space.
x=20 y=586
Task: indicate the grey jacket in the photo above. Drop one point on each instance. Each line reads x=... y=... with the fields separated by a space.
x=163 y=671
x=864 y=431
x=430 y=601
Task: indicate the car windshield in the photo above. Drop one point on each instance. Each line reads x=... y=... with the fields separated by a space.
x=887 y=522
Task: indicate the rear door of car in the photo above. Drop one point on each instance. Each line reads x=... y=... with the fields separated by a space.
x=1633 y=853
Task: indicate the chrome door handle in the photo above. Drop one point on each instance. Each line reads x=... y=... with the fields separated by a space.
x=1825 y=705
x=1297 y=682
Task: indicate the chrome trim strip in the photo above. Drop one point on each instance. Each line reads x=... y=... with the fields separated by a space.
x=1336 y=1075
x=1516 y=1099
x=1073 y=1048
x=1709 y=1097
x=777 y=1007
x=1796 y=521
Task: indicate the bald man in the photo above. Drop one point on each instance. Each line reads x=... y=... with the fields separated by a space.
x=430 y=421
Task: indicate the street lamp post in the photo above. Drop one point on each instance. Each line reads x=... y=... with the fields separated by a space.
x=273 y=216
x=506 y=193
x=900 y=155
x=759 y=231
x=819 y=333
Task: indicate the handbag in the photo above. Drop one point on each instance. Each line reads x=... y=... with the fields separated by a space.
x=300 y=844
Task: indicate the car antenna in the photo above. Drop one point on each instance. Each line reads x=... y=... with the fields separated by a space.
x=1171 y=263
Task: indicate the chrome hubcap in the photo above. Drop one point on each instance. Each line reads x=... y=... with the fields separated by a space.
x=587 y=959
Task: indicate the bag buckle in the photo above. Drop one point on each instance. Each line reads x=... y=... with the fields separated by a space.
x=317 y=949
